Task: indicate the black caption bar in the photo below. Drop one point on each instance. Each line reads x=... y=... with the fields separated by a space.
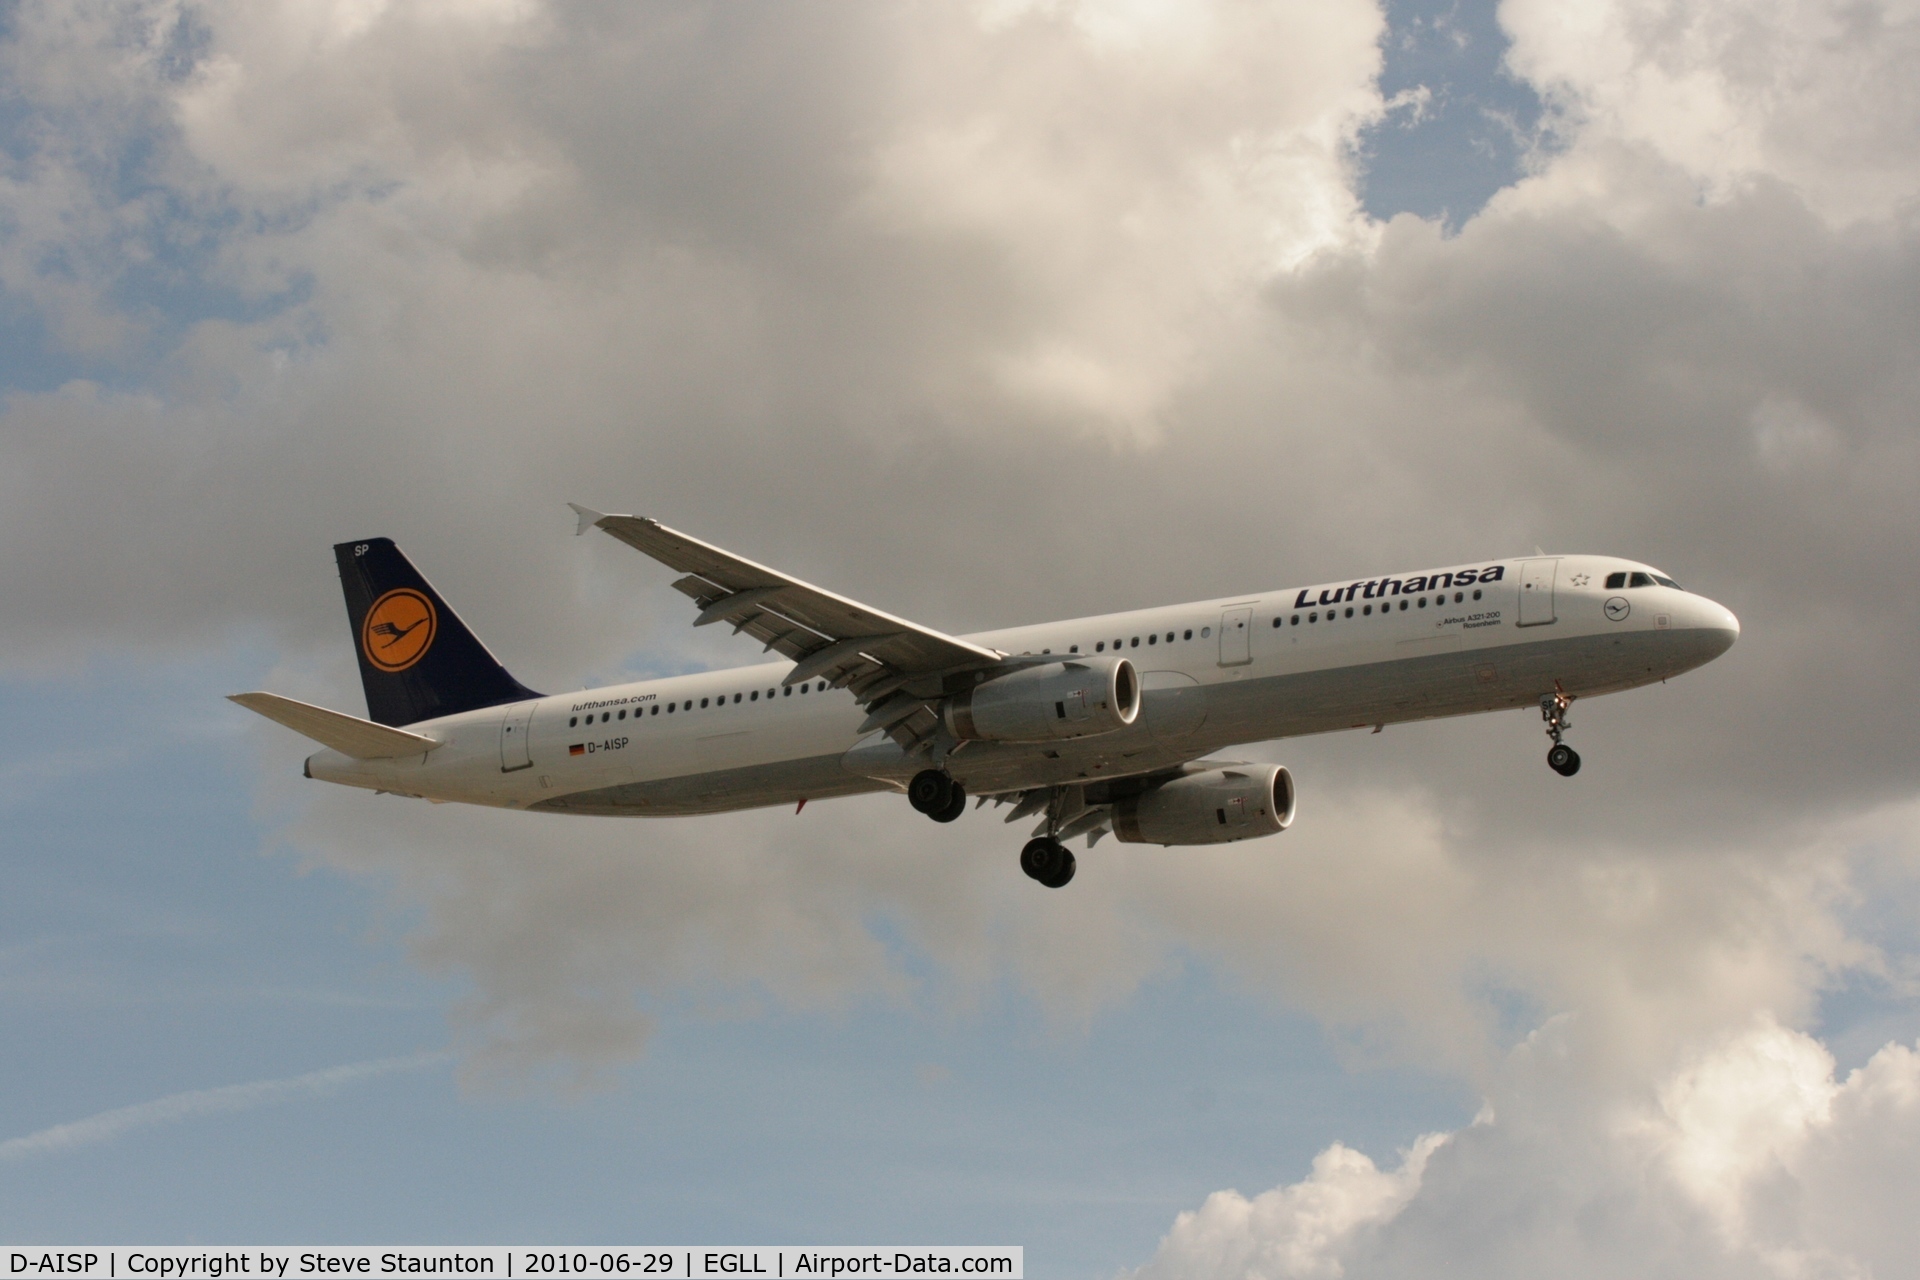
x=677 y=1262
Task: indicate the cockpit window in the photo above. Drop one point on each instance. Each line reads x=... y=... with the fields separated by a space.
x=1615 y=581
x=1665 y=581
x=1641 y=580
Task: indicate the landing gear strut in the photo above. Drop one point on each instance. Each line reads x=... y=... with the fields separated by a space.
x=1048 y=861
x=937 y=795
x=1561 y=758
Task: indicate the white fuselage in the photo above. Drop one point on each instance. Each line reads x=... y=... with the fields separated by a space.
x=1215 y=673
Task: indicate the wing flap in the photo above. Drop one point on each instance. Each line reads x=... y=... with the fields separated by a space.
x=349 y=735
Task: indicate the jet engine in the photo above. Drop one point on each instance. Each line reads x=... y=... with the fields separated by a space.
x=1218 y=806
x=1073 y=698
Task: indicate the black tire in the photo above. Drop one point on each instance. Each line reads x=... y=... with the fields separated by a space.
x=1048 y=861
x=1037 y=858
x=955 y=807
x=930 y=791
x=1563 y=760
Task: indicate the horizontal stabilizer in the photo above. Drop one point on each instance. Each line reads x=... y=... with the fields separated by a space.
x=349 y=735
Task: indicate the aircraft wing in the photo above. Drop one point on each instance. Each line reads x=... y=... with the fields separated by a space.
x=852 y=645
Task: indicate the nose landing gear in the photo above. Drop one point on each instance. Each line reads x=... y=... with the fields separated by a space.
x=1561 y=758
x=937 y=795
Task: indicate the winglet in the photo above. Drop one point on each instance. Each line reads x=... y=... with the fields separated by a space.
x=588 y=517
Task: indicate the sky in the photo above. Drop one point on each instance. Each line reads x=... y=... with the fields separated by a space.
x=986 y=313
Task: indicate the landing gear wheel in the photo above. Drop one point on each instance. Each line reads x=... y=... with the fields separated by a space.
x=1562 y=759
x=955 y=807
x=1048 y=861
x=930 y=792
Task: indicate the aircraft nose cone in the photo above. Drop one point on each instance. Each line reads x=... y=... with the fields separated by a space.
x=1721 y=625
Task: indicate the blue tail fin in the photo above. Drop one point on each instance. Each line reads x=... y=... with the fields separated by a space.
x=417 y=659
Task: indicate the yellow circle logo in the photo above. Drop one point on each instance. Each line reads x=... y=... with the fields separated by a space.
x=399 y=629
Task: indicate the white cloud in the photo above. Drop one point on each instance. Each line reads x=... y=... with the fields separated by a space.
x=1304 y=1230
x=1750 y=1159
x=1817 y=94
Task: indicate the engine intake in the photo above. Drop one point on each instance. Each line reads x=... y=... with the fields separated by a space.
x=1218 y=806
x=1075 y=698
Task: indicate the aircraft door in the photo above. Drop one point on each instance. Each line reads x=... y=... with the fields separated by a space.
x=516 y=737
x=1536 y=592
x=1236 y=637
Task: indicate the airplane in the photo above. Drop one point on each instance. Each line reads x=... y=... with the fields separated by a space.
x=1100 y=725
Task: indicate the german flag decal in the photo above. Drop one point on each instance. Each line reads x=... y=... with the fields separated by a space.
x=577 y=749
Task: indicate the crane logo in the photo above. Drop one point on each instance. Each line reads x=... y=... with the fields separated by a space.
x=399 y=629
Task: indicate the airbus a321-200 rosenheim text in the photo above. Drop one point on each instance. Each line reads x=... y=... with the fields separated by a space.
x=1095 y=725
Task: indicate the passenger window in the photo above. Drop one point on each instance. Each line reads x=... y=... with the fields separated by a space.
x=1615 y=581
x=787 y=692
x=703 y=704
x=1276 y=621
x=1101 y=647
x=1188 y=635
x=1169 y=637
x=1423 y=602
x=1075 y=649
x=1205 y=632
x=623 y=713
x=1366 y=611
x=1476 y=593
x=755 y=696
x=1295 y=621
x=1403 y=606
x=1349 y=611
x=1313 y=617
x=656 y=710
x=736 y=697
x=572 y=721
x=1458 y=597
x=1153 y=639
x=1640 y=580
x=1136 y=642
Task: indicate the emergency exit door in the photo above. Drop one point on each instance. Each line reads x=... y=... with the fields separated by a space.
x=516 y=734
x=1236 y=637
x=1536 y=591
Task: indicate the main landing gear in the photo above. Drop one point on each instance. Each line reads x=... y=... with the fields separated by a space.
x=936 y=795
x=1048 y=861
x=1561 y=758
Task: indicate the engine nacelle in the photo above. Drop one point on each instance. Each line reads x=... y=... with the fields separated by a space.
x=1238 y=802
x=1073 y=698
